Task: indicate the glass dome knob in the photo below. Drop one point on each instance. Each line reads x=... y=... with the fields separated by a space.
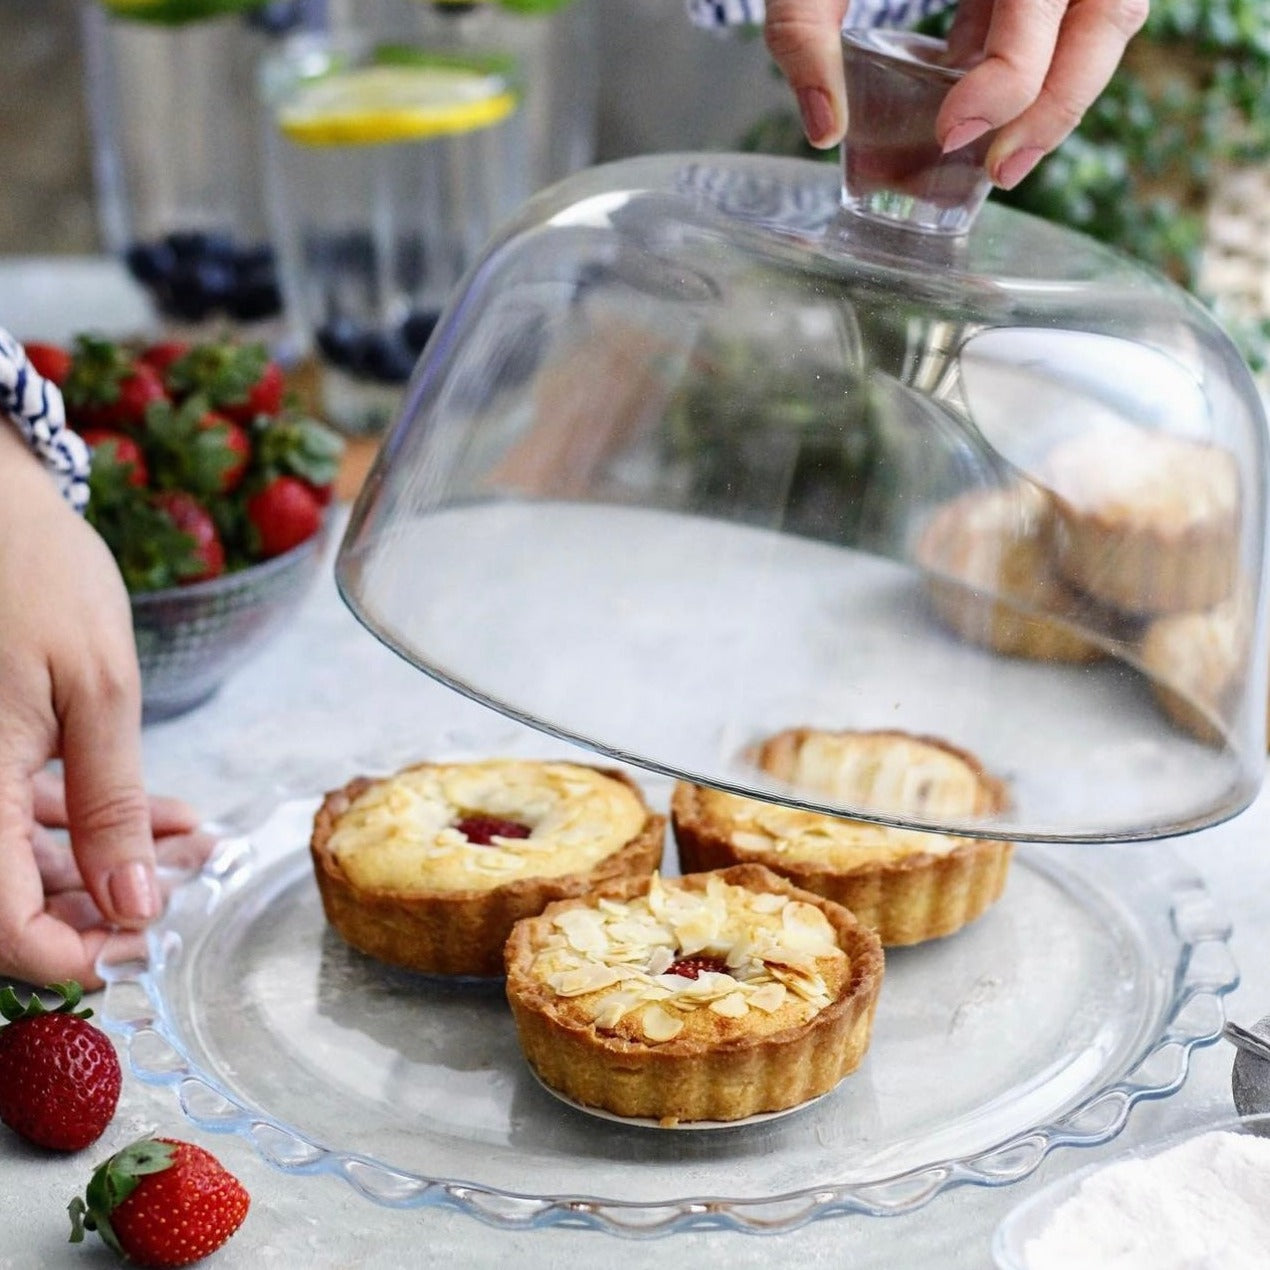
x=893 y=169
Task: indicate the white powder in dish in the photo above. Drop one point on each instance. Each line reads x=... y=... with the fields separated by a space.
x=1201 y=1205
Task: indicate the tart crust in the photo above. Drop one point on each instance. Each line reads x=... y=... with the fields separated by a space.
x=1197 y=664
x=990 y=579
x=457 y=932
x=908 y=886
x=692 y=1077
x=1146 y=523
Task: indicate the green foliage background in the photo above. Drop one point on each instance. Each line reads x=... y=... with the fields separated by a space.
x=1191 y=95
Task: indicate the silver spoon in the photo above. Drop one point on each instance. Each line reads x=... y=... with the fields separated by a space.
x=1250 y=1078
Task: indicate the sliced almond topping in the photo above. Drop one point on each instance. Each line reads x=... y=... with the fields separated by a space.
x=768 y=902
x=768 y=998
x=588 y=977
x=612 y=1009
x=733 y=1006
x=658 y=1025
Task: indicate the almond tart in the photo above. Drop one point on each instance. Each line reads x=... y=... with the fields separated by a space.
x=1144 y=522
x=990 y=580
x=909 y=886
x=429 y=868
x=713 y=997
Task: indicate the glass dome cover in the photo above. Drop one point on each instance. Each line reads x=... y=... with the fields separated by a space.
x=711 y=449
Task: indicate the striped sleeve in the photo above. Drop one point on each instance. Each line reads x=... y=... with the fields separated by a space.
x=34 y=406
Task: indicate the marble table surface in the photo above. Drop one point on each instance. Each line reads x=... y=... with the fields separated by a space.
x=306 y=711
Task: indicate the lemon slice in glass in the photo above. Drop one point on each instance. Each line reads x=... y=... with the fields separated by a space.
x=380 y=104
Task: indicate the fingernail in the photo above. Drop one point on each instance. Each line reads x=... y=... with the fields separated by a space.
x=134 y=894
x=1014 y=167
x=963 y=133
x=817 y=113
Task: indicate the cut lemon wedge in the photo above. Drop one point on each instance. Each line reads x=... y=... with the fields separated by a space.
x=376 y=105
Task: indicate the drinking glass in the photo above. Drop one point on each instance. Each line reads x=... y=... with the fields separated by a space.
x=389 y=166
x=176 y=126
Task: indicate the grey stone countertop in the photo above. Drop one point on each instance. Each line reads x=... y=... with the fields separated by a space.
x=324 y=681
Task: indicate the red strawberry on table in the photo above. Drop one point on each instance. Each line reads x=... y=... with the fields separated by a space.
x=161 y=1202
x=59 y=1075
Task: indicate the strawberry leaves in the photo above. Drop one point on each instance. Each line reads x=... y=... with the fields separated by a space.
x=111 y=1184
x=185 y=440
x=160 y=1202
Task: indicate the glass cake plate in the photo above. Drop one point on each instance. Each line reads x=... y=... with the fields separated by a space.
x=1082 y=992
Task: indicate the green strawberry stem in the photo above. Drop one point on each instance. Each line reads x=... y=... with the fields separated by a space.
x=70 y=993
x=111 y=1184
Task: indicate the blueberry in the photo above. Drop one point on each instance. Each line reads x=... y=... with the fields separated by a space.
x=199 y=288
x=253 y=256
x=150 y=263
x=255 y=298
x=278 y=17
x=416 y=329
x=339 y=341
x=409 y=264
x=385 y=357
x=187 y=244
x=184 y=296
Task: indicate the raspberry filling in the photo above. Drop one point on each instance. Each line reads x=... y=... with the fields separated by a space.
x=482 y=830
x=691 y=967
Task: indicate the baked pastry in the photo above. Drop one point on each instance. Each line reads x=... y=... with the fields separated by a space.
x=1196 y=663
x=909 y=886
x=1144 y=522
x=713 y=997
x=430 y=868
x=989 y=578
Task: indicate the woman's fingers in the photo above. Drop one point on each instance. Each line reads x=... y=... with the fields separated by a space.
x=805 y=38
x=1044 y=65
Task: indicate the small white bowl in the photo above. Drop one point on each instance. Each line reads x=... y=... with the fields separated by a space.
x=1027 y=1220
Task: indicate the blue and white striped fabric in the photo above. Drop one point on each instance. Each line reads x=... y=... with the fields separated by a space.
x=717 y=14
x=36 y=409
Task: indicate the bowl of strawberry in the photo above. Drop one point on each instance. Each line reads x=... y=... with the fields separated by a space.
x=211 y=488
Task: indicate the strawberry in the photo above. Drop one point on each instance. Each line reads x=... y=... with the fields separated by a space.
x=107 y=388
x=194 y=520
x=50 y=360
x=323 y=493
x=235 y=446
x=59 y=1075
x=121 y=450
x=160 y=1202
x=159 y=357
x=238 y=380
x=264 y=397
x=482 y=830
x=284 y=513
x=691 y=967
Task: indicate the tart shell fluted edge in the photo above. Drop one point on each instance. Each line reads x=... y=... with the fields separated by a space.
x=684 y=1079
x=456 y=932
x=906 y=900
